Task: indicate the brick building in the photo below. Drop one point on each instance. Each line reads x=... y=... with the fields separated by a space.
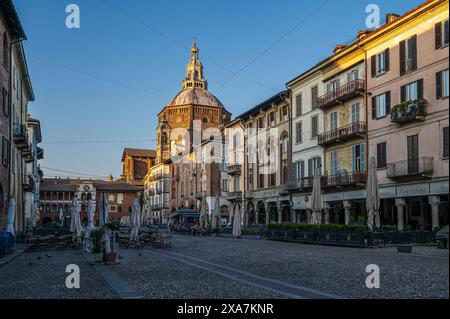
x=137 y=164
x=57 y=193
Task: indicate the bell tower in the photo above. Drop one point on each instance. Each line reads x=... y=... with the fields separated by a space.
x=194 y=72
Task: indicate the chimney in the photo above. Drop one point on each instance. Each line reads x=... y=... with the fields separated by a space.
x=338 y=48
x=391 y=17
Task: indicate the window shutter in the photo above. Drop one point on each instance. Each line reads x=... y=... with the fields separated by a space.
x=294 y=170
x=319 y=163
x=446 y=146
x=439 y=85
x=302 y=169
x=310 y=167
x=438 y=35
x=403 y=93
x=373 y=65
x=402 y=57
x=420 y=89
x=379 y=155
x=353 y=158
x=362 y=157
x=386 y=58
x=414 y=52
x=374 y=107
x=388 y=102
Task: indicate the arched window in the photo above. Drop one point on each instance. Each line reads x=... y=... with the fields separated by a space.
x=196 y=75
x=5 y=50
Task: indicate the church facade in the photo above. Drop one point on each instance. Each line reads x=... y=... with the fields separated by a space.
x=193 y=116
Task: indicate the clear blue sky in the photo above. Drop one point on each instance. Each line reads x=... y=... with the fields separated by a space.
x=107 y=81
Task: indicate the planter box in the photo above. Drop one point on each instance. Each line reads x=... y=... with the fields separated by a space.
x=407 y=249
x=351 y=239
x=305 y=236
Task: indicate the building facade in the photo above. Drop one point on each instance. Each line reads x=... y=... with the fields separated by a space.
x=137 y=164
x=56 y=195
x=408 y=87
x=259 y=162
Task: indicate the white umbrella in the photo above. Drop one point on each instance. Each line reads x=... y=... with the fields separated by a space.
x=316 y=205
x=372 y=196
x=104 y=208
x=237 y=222
x=75 y=222
x=11 y=216
x=203 y=215
x=135 y=220
x=61 y=214
x=215 y=212
x=90 y=211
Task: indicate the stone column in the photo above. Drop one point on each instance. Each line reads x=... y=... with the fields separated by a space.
x=434 y=201
x=267 y=214
x=347 y=208
x=400 y=203
x=280 y=213
x=326 y=208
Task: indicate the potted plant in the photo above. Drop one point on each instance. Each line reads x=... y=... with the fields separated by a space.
x=113 y=226
x=96 y=238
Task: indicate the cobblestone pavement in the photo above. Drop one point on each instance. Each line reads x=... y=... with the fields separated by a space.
x=208 y=267
x=336 y=270
x=46 y=277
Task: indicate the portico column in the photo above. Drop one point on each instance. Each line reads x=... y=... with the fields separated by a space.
x=326 y=208
x=280 y=213
x=400 y=203
x=347 y=208
x=434 y=201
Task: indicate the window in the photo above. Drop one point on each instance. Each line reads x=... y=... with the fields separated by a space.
x=250 y=178
x=358 y=158
x=413 y=154
x=111 y=197
x=352 y=76
x=298 y=132
x=284 y=114
x=298 y=170
x=381 y=155
x=314 y=126
x=260 y=123
x=5 y=50
x=5 y=148
x=380 y=63
x=333 y=163
x=408 y=55
x=355 y=113
x=333 y=86
x=313 y=163
x=333 y=121
x=314 y=97
x=446 y=149
x=5 y=102
x=120 y=198
x=441 y=34
x=412 y=91
x=442 y=80
x=298 y=105
x=225 y=185
x=381 y=105
x=285 y=144
x=272 y=119
x=236 y=184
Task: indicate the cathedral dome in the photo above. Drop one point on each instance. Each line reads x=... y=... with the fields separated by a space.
x=196 y=96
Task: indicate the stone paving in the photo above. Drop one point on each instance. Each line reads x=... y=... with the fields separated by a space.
x=219 y=268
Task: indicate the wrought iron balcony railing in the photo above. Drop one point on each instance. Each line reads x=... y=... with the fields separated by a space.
x=344 y=179
x=420 y=168
x=358 y=129
x=303 y=183
x=234 y=169
x=234 y=196
x=343 y=93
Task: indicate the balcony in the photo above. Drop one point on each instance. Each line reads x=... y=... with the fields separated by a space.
x=344 y=179
x=413 y=169
x=409 y=111
x=283 y=190
x=28 y=183
x=342 y=94
x=28 y=153
x=234 y=170
x=354 y=130
x=20 y=136
x=234 y=196
x=304 y=183
x=39 y=153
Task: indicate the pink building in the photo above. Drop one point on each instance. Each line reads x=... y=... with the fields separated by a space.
x=408 y=90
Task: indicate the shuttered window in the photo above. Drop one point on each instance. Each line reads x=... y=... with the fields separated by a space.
x=445 y=139
x=314 y=126
x=298 y=105
x=314 y=97
x=381 y=155
x=408 y=55
x=442 y=84
x=441 y=31
x=298 y=132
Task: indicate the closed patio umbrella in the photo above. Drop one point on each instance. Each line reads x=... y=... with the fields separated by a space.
x=237 y=222
x=11 y=215
x=75 y=222
x=215 y=213
x=103 y=210
x=372 y=196
x=316 y=205
x=61 y=215
x=135 y=220
x=90 y=211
